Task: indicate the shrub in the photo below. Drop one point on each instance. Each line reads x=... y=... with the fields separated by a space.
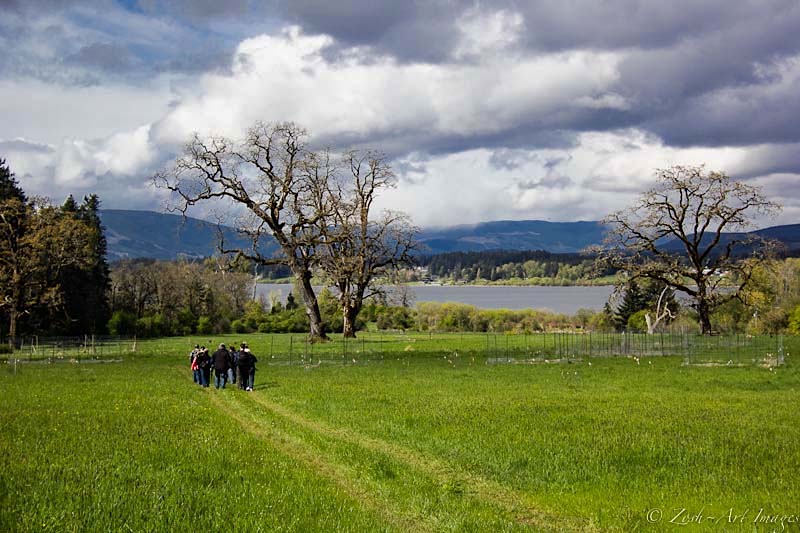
x=122 y=323
x=204 y=325
x=637 y=323
x=240 y=326
x=794 y=321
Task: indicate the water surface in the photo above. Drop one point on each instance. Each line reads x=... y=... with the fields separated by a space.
x=557 y=299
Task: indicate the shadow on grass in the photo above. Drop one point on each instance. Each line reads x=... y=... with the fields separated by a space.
x=267 y=385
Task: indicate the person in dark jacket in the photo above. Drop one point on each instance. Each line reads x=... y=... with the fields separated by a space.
x=247 y=368
x=222 y=362
x=193 y=363
x=234 y=363
x=204 y=364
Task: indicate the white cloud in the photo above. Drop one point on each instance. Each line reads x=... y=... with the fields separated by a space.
x=602 y=173
x=289 y=77
x=109 y=137
x=482 y=33
x=51 y=113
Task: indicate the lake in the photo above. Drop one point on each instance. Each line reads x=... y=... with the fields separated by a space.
x=557 y=299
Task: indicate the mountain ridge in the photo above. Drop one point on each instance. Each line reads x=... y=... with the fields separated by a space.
x=140 y=234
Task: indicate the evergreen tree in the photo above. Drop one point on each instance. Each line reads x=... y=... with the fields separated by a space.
x=9 y=188
x=633 y=301
x=70 y=205
x=15 y=214
x=86 y=309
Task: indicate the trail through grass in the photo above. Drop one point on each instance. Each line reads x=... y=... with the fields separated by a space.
x=419 y=444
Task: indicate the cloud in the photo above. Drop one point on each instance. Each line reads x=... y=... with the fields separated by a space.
x=115 y=168
x=364 y=97
x=528 y=110
x=103 y=56
x=50 y=114
x=601 y=173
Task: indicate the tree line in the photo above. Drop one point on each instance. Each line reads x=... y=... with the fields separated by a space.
x=319 y=207
x=54 y=277
x=536 y=267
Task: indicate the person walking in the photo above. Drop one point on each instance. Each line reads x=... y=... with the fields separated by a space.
x=222 y=362
x=193 y=363
x=234 y=364
x=247 y=368
x=204 y=364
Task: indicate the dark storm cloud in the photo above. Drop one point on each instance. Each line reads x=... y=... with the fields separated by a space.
x=397 y=143
x=676 y=56
x=407 y=30
x=196 y=10
x=738 y=116
x=103 y=56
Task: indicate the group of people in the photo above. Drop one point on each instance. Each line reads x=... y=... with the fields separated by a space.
x=236 y=366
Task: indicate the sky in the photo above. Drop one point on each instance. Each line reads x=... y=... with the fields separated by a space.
x=550 y=110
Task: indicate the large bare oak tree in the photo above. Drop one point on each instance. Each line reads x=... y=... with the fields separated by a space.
x=677 y=233
x=360 y=250
x=318 y=207
x=281 y=184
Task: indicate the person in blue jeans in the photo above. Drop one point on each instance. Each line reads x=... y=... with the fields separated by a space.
x=204 y=364
x=234 y=363
x=222 y=362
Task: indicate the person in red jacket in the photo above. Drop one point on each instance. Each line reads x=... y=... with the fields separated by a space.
x=204 y=364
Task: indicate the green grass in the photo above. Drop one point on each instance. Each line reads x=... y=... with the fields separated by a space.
x=403 y=442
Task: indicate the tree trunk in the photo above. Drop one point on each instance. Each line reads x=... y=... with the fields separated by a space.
x=705 y=319
x=349 y=313
x=12 y=328
x=317 y=327
x=703 y=310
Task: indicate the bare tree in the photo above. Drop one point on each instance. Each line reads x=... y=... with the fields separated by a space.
x=359 y=249
x=676 y=233
x=278 y=181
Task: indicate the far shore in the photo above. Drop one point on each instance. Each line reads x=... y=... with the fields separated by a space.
x=596 y=283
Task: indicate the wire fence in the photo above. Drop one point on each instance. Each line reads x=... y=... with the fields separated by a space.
x=694 y=349
x=87 y=348
x=491 y=348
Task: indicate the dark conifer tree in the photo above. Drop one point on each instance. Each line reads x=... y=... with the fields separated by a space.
x=86 y=309
x=633 y=301
x=70 y=205
x=9 y=188
x=14 y=214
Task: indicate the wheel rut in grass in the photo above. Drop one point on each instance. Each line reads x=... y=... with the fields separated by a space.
x=305 y=440
x=515 y=504
x=306 y=453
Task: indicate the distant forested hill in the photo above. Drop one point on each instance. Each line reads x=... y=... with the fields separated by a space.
x=135 y=234
x=557 y=237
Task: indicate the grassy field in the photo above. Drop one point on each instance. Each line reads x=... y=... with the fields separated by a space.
x=398 y=442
